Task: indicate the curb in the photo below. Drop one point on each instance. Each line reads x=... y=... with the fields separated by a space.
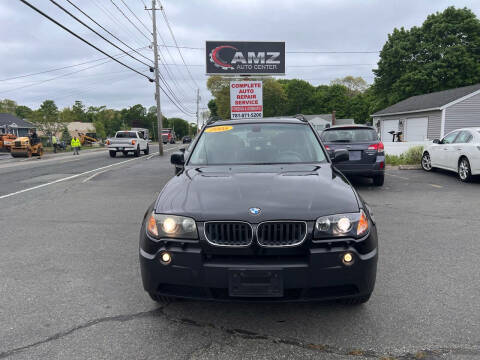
x=409 y=167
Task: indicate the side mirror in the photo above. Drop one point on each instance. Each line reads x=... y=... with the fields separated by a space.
x=436 y=141
x=340 y=155
x=182 y=150
x=177 y=159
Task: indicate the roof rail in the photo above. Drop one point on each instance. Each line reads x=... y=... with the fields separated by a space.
x=213 y=119
x=301 y=117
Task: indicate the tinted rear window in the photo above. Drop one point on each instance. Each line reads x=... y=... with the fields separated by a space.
x=126 y=135
x=349 y=135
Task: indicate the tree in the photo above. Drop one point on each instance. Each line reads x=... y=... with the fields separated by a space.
x=23 y=112
x=78 y=111
x=46 y=118
x=8 y=106
x=299 y=97
x=212 y=106
x=441 y=54
x=355 y=85
x=274 y=98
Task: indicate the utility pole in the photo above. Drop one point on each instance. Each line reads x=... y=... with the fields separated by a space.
x=198 y=114
x=157 y=79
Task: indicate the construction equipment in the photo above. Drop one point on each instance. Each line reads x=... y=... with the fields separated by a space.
x=23 y=147
x=6 y=141
x=88 y=138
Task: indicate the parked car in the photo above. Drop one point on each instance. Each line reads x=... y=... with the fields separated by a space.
x=249 y=220
x=186 y=140
x=365 y=150
x=128 y=141
x=168 y=136
x=458 y=151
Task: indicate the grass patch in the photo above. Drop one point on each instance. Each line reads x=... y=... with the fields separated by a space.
x=412 y=156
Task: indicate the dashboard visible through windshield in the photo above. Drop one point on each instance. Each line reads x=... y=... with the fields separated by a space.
x=258 y=143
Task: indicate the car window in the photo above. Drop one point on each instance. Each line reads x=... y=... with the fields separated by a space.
x=126 y=134
x=464 y=137
x=349 y=135
x=450 y=138
x=257 y=144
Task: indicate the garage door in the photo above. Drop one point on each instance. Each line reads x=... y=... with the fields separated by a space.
x=388 y=125
x=416 y=129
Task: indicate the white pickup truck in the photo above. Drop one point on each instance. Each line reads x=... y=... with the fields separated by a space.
x=128 y=141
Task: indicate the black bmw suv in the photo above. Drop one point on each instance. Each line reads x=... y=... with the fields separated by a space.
x=259 y=212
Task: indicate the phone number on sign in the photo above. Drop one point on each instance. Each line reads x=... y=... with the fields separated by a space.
x=247 y=115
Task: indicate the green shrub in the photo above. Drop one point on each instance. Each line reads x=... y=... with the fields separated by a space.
x=412 y=156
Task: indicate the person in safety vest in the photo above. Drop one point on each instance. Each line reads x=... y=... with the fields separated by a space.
x=75 y=143
x=54 y=143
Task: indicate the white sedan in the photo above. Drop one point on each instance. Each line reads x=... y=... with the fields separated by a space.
x=458 y=151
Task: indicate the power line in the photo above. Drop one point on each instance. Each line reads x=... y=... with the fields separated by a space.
x=177 y=66
x=60 y=68
x=82 y=39
x=290 y=52
x=93 y=30
x=130 y=21
x=175 y=41
x=118 y=24
x=136 y=17
x=106 y=30
x=54 y=78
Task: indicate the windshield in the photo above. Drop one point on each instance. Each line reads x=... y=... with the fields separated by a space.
x=257 y=144
x=349 y=135
x=126 y=135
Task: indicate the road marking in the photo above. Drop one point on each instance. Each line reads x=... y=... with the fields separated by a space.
x=436 y=186
x=78 y=175
x=92 y=176
x=401 y=177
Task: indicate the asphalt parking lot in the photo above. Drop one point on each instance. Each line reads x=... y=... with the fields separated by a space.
x=71 y=288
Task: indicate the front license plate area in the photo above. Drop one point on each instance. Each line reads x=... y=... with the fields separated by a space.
x=355 y=155
x=255 y=283
x=120 y=148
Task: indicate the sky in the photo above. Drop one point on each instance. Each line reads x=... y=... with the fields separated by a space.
x=29 y=43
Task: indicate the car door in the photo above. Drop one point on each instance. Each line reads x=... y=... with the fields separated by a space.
x=462 y=146
x=444 y=151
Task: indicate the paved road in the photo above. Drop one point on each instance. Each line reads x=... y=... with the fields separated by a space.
x=70 y=284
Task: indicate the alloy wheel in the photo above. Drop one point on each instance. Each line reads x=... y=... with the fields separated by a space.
x=464 y=169
x=426 y=162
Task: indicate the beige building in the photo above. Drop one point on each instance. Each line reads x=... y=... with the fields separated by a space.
x=74 y=128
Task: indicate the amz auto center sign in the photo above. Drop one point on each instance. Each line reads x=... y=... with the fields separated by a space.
x=246 y=99
x=245 y=58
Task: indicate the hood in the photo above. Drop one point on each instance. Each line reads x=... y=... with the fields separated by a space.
x=296 y=192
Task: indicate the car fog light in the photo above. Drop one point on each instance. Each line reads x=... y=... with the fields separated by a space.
x=165 y=258
x=347 y=259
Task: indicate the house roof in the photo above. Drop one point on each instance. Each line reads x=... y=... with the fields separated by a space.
x=9 y=120
x=432 y=101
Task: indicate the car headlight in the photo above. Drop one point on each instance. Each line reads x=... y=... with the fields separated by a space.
x=160 y=225
x=341 y=225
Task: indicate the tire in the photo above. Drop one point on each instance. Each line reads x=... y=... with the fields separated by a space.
x=161 y=299
x=358 y=300
x=147 y=150
x=379 y=180
x=165 y=142
x=426 y=162
x=125 y=153
x=137 y=152
x=113 y=153
x=464 y=170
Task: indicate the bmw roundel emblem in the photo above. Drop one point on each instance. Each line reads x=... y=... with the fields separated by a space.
x=254 y=211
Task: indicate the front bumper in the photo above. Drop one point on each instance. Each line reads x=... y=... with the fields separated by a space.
x=311 y=272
